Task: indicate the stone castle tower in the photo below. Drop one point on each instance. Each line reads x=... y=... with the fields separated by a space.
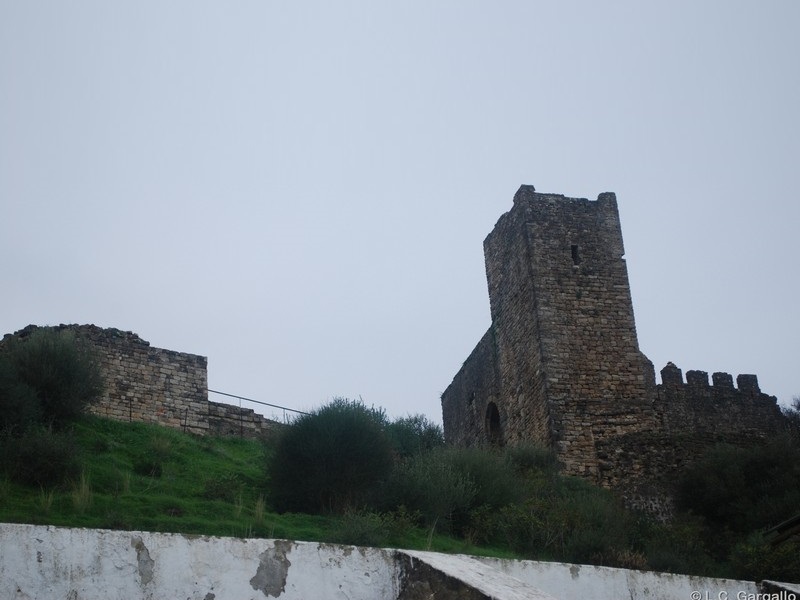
x=560 y=365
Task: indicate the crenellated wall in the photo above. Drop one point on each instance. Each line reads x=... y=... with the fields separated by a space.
x=692 y=416
x=153 y=385
x=720 y=410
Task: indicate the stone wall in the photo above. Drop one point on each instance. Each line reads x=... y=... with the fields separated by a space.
x=153 y=385
x=227 y=419
x=464 y=403
x=719 y=410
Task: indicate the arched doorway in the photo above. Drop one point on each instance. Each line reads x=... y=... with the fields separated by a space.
x=494 y=433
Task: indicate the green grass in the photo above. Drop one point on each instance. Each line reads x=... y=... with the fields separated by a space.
x=135 y=476
x=146 y=477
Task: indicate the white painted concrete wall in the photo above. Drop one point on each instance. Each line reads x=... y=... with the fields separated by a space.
x=52 y=563
x=578 y=582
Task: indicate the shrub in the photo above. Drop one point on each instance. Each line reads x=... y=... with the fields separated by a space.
x=39 y=456
x=743 y=489
x=19 y=405
x=560 y=518
x=414 y=434
x=596 y=527
x=51 y=367
x=432 y=485
x=755 y=559
x=331 y=460
x=361 y=529
x=527 y=459
x=495 y=481
x=462 y=489
x=680 y=546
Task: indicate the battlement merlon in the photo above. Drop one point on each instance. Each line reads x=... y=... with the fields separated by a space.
x=671 y=375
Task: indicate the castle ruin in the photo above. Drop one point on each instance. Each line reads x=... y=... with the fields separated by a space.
x=144 y=384
x=560 y=365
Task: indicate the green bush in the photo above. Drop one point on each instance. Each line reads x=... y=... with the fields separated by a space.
x=755 y=559
x=431 y=484
x=414 y=434
x=19 y=405
x=743 y=489
x=331 y=460
x=528 y=458
x=447 y=484
x=559 y=518
x=494 y=478
x=46 y=376
x=39 y=456
x=596 y=526
x=361 y=529
x=680 y=546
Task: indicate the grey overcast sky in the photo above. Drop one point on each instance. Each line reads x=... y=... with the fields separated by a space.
x=300 y=190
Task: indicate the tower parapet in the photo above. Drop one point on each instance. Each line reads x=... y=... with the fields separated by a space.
x=719 y=410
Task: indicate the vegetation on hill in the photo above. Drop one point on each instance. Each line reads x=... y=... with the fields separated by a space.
x=347 y=474
x=46 y=378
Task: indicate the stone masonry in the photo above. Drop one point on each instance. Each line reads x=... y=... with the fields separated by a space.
x=152 y=385
x=560 y=365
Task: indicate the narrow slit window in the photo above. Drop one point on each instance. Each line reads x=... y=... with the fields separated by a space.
x=576 y=257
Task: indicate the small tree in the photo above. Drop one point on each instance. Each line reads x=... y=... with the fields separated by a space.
x=47 y=376
x=331 y=460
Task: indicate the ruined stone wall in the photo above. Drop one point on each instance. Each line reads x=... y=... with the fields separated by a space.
x=153 y=385
x=465 y=401
x=717 y=411
x=227 y=419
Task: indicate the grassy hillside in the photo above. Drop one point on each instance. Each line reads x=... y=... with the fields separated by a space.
x=134 y=476
x=145 y=477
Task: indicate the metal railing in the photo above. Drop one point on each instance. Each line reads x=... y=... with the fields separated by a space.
x=240 y=398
